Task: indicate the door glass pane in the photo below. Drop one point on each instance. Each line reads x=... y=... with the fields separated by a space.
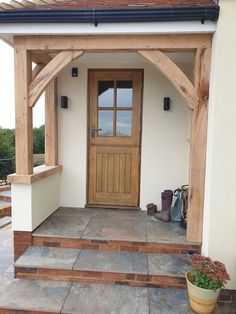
x=105 y=122
x=124 y=93
x=105 y=94
x=124 y=123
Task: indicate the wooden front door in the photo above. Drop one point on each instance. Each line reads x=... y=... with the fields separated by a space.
x=114 y=137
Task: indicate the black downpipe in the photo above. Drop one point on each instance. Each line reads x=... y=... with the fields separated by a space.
x=96 y=16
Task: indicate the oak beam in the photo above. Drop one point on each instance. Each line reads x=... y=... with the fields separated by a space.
x=50 y=72
x=173 y=73
x=36 y=70
x=23 y=113
x=51 y=125
x=41 y=57
x=198 y=145
x=127 y=42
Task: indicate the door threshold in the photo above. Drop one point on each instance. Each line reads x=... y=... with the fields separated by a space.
x=112 y=207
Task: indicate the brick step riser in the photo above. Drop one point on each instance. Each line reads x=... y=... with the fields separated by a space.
x=5 y=198
x=122 y=246
x=100 y=277
x=5 y=211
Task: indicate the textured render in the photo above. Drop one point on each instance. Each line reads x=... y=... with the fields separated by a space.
x=48 y=257
x=168 y=264
x=105 y=299
x=106 y=261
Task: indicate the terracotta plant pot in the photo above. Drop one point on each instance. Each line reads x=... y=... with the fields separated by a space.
x=202 y=301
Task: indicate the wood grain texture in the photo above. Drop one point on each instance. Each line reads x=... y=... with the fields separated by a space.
x=168 y=42
x=198 y=145
x=50 y=72
x=23 y=113
x=173 y=73
x=114 y=168
x=51 y=124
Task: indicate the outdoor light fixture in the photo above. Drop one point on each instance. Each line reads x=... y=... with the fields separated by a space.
x=64 y=102
x=74 y=72
x=166 y=103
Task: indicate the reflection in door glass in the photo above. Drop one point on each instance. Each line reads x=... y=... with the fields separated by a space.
x=105 y=94
x=124 y=93
x=105 y=122
x=124 y=123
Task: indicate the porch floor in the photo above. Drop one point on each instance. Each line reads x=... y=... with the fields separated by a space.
x=105 y=224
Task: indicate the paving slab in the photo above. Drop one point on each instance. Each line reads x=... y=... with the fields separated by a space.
x=117 y=262
x=5 y=193
x=105 y=299
x=32 y=295
x=164 y=232
x=5 y=221
x=4 y=203
x=117 y=226
x=168 y=264
x=65 y=222
x=48 y=257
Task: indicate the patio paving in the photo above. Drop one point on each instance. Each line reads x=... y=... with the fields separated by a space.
x=62 y=297
x=105 y=224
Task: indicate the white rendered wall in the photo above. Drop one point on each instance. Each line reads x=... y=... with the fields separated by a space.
x=32 y=204
x=219 y=229
x=165 y=136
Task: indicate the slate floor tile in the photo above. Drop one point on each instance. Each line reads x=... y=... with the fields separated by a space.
x=168 y=264
x=105 y=299
x=48 y=257
x=32 y=295
x=166 y=232
x=106 y=261
x=65 y=224
x=168 y=301
x=117 y=225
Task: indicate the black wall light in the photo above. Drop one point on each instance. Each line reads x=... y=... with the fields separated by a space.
x=166 y=103
x=74 y=72
x=64 y=102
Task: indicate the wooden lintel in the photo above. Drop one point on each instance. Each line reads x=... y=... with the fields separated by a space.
x=23 y=113
x=49 y=73
x=38 y=174
x=169 y=42
x=51 y=125
x=198 y=145
x=173 y=73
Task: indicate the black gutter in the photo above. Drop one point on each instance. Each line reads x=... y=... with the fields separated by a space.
x=121 y=15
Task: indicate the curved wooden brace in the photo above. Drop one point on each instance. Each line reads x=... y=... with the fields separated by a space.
x=50 y=72
x=173 y=73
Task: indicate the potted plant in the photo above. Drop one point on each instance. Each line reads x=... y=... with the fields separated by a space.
x=204 y=282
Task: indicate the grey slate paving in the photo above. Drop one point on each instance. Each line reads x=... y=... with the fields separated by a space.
x=5 y=221
x=105 y=299
x=168 y=264
x=117 y=225
x=20 y=294
x=163 y=232
x=48 y=257
x=4 y=203
x=69 y=223
x=6 y=193
x=118 y=262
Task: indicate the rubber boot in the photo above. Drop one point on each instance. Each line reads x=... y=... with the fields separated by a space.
x=166 y=201
x=151 y=209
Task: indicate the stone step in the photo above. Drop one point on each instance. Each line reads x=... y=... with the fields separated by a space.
x=5 y=221
x=32 y=296
x=131 y=268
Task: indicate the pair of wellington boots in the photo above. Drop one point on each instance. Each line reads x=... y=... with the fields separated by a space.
x=166 y=201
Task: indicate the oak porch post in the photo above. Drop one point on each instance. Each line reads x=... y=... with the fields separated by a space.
x=198 y=145
x=51 y=125
x=24 y=146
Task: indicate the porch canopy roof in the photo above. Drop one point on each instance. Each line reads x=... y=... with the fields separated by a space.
x=107 y=11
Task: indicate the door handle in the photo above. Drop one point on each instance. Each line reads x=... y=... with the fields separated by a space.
x=95 y=131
